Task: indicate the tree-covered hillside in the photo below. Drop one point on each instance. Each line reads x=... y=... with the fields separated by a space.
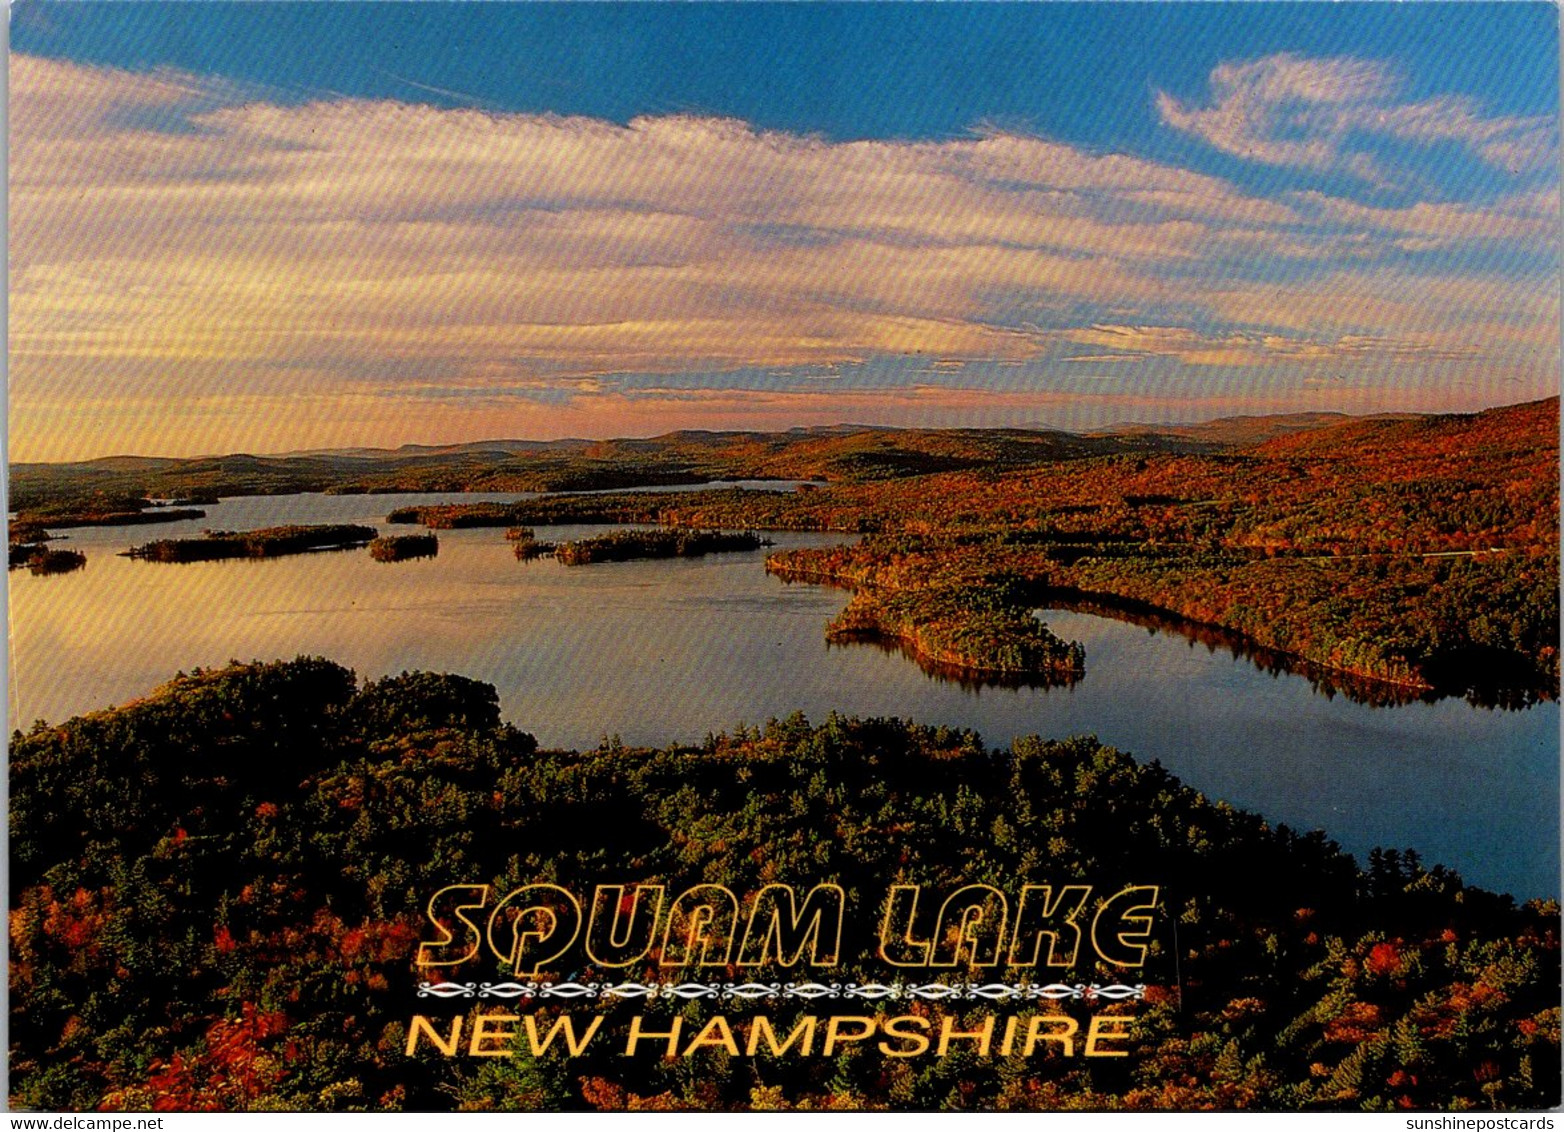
x=217 y=896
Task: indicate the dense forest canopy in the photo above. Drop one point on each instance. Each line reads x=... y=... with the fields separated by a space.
x=218 y=890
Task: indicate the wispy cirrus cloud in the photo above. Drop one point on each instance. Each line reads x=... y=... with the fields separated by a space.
x=1241 y=348
x=211 y=250
x=1426 y=225
x=1311 y=113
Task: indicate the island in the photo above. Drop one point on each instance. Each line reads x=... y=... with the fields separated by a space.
x=396 y=548
x=48 y=560
x=268 y=542
x=622 y=546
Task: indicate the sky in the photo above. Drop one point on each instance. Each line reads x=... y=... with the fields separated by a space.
x=269 y=227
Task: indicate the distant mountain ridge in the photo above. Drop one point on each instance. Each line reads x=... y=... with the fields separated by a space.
x=1224 y=431
x=851 y=453
x=1244 y=430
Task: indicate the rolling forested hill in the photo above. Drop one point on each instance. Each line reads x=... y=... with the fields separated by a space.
x=833 y=453
x=217 y=894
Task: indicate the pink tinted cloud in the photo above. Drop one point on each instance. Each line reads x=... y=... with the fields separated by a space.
x=367 y=253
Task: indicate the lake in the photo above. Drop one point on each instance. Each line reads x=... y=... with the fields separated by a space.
x=666 y=651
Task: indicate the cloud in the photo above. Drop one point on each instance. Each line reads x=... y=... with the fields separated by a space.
x=1517 y=219
x=1191 y=348
x=1305 y=113
x=211 y=249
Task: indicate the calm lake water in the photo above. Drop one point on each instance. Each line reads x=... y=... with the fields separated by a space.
x=665 y=651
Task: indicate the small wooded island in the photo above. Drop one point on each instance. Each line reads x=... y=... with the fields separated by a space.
x=44 y=560
x=524 y=541
x=396 y=548
x=268 y=542
x=623 y=546
x=25 y=543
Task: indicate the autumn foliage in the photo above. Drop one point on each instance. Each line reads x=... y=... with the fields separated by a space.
x=217 y=897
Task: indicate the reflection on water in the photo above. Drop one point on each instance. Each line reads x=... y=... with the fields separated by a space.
x=1493 y=682
x=666 y=651
x=966 y=679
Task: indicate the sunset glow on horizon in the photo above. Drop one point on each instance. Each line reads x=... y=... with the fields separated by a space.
x=434 y=226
